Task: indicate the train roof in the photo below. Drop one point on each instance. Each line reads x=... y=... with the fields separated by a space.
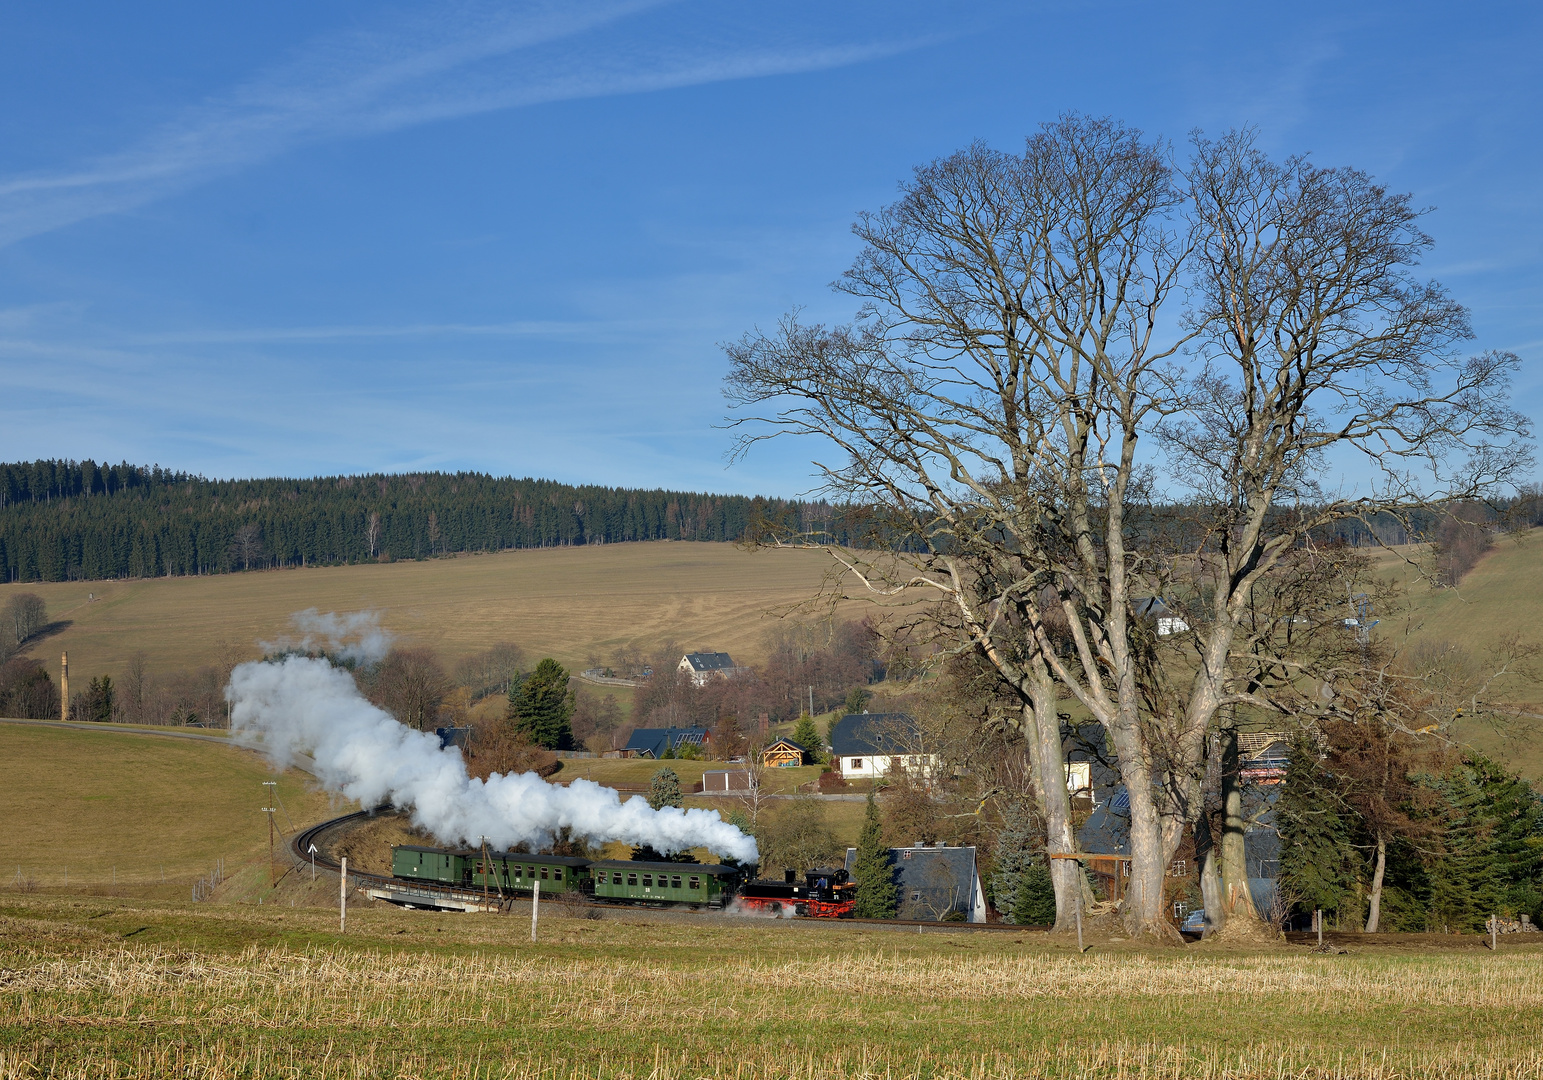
x=548 y=860
x=545 y=860
x=711 y=869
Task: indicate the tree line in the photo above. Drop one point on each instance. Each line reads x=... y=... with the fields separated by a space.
x=67 y=520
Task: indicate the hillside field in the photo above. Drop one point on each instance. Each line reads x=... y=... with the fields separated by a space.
x=88 y=807
x=569 y=603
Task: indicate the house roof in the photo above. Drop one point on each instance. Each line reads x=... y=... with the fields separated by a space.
x=863 y=734
x=1149 y=605
x=654 y=740
x=784 y=741
x=710 y=661
x=933 y=880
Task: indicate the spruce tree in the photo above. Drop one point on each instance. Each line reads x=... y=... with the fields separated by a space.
x=877 y=891
x=541 y=707
x=807 y=735
x=1035 y=903
x=1465 y=885
x=1016 y=846
x=1317 y=861
x=664 y=789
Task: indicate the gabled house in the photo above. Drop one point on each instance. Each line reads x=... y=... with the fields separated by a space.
x=784 y=753
x=864 y=746
x=934 y=882
x=1153 y=609
x=702 y=666
x=652 y=742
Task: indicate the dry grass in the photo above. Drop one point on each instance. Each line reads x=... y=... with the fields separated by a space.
x=641 y=770
x=84 y=802
x=413 y=994
x=567 y=603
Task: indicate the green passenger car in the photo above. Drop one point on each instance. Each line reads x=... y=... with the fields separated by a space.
x=431 y=864
x=512 y=872
x=696 y=884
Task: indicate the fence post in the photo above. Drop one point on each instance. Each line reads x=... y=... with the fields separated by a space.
x=343 y=898
x=535 y=907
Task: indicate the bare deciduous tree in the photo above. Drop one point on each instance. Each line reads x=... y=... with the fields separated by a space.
x=410 y=685
x=993 y=406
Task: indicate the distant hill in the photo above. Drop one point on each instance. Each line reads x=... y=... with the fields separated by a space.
x=73 y=521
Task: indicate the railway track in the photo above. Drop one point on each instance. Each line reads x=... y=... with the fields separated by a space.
x=301 y=843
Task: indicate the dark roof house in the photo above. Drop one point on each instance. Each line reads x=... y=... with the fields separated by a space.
x=870 y=734
x=652 y=742
x=934 y=882
x=702 y=666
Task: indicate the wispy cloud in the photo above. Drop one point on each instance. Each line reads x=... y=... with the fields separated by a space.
x=451 y=62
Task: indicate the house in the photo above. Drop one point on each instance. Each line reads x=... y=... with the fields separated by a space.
x=702 y=666
x=783 y=754
x=868 y=745
x=1154 y=609
x=652 y=742
x=935 y=882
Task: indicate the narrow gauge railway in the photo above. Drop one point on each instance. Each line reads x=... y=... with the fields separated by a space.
x=471 y=879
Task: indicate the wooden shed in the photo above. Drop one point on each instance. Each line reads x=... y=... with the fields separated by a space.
x=784 y=753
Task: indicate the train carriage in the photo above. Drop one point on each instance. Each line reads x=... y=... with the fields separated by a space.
x=694 y=884
x=513 y=872
x=431 y=864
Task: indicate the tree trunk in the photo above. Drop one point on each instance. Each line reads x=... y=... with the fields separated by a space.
x=1048 y=758
x=1382 y=865
x=1236 y=898
x=1142 y=910
x=1205 y=844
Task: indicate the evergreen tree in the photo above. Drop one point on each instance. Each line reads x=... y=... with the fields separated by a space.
x=1464 y=878
x=1035 y=902
x=541 y=707
x=664 y=789
x=1016 y=846
x=877 y=890
x=1317 y=861
x=807 y=734
x=1516 y=817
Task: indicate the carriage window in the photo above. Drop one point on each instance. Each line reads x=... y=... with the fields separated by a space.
x=600 y=878
x=632 y=879
x=648 y=881
x=517 y=874
x=543 y=873
x=696 y=883
x=675 y=883
x=557 y=873
x=530 y=872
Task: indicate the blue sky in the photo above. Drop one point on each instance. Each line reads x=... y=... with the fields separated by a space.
x=302 y=239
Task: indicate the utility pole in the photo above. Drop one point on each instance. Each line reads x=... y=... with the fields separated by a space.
x=270 y=811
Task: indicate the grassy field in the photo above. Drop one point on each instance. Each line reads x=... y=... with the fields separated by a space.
x=103 y=806
x=641 y=770
x=569 y=603
x=1501 y=597
x=114 y=988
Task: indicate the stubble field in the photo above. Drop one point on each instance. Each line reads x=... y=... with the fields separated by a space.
x=126 y=988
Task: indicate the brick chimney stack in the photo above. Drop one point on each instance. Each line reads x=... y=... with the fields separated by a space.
x=64 y=687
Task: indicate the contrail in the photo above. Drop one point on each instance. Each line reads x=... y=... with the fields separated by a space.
x=303 y=704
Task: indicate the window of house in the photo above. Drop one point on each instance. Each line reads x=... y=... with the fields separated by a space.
x=674 y=882
x=857 y=763
x=696 y=883
x=632 y=879
x=916 y=896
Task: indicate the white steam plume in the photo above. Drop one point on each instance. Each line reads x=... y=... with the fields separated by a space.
x=355 y=635
x=305 y=705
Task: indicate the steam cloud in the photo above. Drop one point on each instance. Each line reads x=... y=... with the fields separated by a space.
x=303 y=704
x=354 y=635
